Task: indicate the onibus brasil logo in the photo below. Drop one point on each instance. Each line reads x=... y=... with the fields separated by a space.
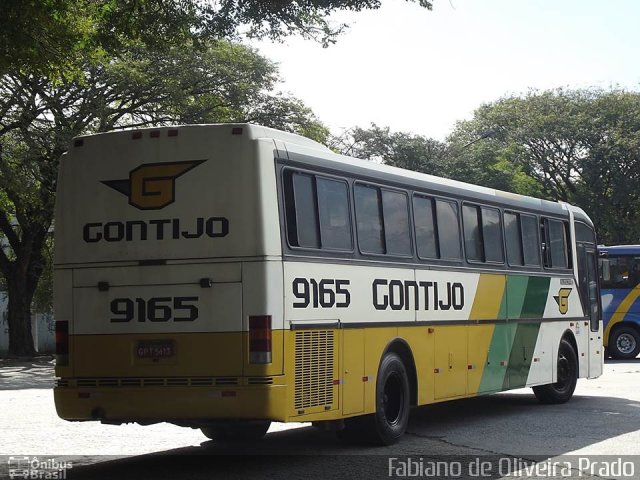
x=152 y=186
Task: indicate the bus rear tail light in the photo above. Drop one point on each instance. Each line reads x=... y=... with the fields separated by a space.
x=260 y=339
x=62 y=343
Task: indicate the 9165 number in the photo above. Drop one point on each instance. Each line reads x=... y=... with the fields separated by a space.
x=156 y=309
x=326 y=293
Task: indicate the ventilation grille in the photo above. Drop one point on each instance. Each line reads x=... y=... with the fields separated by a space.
x=146 y=382
x=314 y=369
x=260 y=381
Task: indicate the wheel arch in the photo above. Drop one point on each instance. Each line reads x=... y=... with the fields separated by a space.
x=611 y=327
x=570 y=337
x=626 y=323
x=400 y=347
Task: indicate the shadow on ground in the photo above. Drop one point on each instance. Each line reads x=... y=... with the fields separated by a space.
x=21 y=374
x=492 y=427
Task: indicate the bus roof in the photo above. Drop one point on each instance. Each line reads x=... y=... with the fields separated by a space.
x=305 y=150
x=620 y=249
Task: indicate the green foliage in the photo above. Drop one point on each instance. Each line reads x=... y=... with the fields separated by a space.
x=43 y=296
x=56 y=38
x=219 y=81
x=580 y=146
x=399 y=149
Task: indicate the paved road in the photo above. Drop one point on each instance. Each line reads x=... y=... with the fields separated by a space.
x=603 y=418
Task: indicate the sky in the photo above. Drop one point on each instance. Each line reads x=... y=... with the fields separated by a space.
x=420 y=71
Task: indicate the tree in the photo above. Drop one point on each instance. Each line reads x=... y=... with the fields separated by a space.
x=56 y=37
x=399 y=149
x=38 y=118
x=578 y=146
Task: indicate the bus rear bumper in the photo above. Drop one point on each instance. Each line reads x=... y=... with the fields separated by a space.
x=187 y=406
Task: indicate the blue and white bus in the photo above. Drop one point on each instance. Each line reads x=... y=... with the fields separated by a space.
x=620 y=290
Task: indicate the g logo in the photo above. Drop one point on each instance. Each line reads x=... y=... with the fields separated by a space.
x=152 y=186
x=562 y=299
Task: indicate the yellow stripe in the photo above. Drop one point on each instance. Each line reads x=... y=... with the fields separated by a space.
x=486 y=306
x=621 y=311
x=488 y=299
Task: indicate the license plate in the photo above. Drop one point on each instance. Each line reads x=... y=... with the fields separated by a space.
x=155 y=349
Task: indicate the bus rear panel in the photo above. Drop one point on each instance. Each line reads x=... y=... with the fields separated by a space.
x=167 y=277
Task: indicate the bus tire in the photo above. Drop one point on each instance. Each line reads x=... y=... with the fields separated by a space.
x=237 y=430
x=624 y=343
x=390 y=420
x=562 y=390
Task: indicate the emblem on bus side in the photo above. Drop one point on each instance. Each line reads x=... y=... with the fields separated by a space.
x=562 y=299
x=152 y=186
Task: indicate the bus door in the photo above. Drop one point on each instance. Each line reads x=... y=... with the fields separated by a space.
x=590 y=293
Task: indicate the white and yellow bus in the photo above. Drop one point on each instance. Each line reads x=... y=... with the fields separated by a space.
x=226 y=276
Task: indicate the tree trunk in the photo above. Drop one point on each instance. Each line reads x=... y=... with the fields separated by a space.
x=20 y=292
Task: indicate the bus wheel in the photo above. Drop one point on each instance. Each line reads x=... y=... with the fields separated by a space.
x=238 y=430
x=389 y=422
x=562 y=390
x=624 y=343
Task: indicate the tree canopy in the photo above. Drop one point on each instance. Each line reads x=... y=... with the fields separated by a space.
x=56 y=37
x=219 y=82
x=579 y=146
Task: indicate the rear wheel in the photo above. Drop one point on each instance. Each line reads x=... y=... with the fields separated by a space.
x=562 y=390
x=238 y=430
x=624 y=343
x=390 y=421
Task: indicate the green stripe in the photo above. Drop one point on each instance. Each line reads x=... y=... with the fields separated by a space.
x=536 y=297
x=521 y=355
x=493 y=374
x=516 y=293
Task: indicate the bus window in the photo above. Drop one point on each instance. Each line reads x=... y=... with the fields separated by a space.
x=333 y=209
x=513 y=239
x=317 y=212
x=556 y=255
x=472 y=233
x=492 y=235
x=530 y=240
x=395 y=212
x=305 y=211
x=624 y=272
x=448 y=229
x=482 y=234
x=423 y=219
x=521 y=236
x=369 y=219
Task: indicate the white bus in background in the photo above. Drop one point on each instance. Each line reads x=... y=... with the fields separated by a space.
x=226 y=276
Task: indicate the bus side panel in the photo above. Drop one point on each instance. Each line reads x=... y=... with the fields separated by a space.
x=563 y=301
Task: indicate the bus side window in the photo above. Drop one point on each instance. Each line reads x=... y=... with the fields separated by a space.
x=369 y=219
x=555 y=252
x=306 y=213
x=512 y=233
x=472 y=233
x=448 y=229
x=333 y=211
x=395 y=212
x=492 y=235
x=317 y=212
x=424 y=221
x=530 y=240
